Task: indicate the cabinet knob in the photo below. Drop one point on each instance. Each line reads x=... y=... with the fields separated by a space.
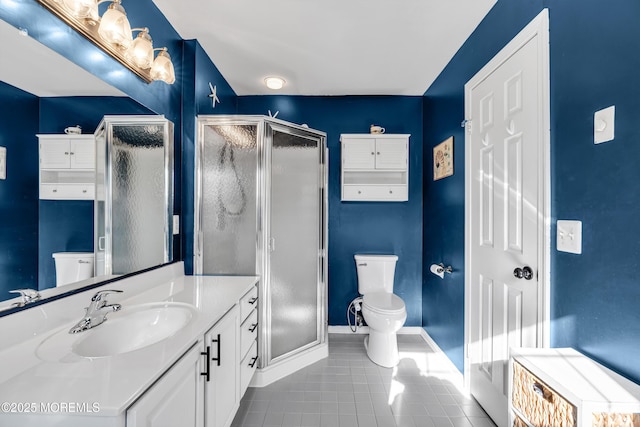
x=359 y=192
x=66 y=153
x=390 y=191
x=84 y=191
x=373 y=154
x=72 y=153
x=55 y=190
x=378 y=153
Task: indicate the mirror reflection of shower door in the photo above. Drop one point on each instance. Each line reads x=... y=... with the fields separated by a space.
x=226 y=191
x=294 y=312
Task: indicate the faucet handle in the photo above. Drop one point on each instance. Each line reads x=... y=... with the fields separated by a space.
x=100 y=294
x=28 y=295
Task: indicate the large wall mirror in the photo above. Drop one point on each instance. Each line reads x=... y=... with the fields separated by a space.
x=42 y=93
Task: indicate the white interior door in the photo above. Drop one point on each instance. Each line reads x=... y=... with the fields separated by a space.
x=504 y=217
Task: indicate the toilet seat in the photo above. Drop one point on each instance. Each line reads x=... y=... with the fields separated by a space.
x=383 y=303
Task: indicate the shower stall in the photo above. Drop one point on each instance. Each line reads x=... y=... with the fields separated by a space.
x=261 y=209
x=134 y=194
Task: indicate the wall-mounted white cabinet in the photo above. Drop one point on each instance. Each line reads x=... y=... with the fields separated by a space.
x=375 y=167
x=67 y=167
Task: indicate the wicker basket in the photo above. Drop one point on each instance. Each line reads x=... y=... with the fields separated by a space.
x=517 y=422
x=615 y=420
x=542 y=406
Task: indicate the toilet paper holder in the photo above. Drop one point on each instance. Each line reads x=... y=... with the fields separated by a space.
x=443 y=269
x=440 y=269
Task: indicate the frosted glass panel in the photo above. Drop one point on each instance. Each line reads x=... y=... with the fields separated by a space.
x=295 y=231
x=229 y=228
x=138 y=197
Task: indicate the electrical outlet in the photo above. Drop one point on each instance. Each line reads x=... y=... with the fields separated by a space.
x=569 y=236
x=3 y=163
x=604 y=125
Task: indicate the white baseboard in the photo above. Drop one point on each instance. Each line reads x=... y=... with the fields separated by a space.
x=445 y=359
x=407 y=330
x=270 y=374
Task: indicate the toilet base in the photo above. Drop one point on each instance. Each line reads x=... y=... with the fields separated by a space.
x=382 y=348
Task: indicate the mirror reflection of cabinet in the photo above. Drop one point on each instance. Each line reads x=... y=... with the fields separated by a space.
x=67 y=167
x=134 y=193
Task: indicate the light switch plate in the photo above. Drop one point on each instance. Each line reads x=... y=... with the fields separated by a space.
x=176 y=225
x=604 y=125
x=569 y=236
x=3 y=163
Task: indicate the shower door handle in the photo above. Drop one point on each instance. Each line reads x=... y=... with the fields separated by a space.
x=272 y=244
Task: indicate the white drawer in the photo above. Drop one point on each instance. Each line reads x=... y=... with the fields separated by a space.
x=248 y=332
x=375 y=192
x=248 y=302
x=248 y=367
x=67 y=191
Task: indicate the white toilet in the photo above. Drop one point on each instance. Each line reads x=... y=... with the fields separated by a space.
x=73 y=266
x=384 y=312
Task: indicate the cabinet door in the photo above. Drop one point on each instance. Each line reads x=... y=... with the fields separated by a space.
x=54 y=154
x=358 y=153
x=391 y=153
x=175 y=399
x=82 y=153
x=222 y=391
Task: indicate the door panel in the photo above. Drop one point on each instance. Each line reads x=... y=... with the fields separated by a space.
x=504 y=197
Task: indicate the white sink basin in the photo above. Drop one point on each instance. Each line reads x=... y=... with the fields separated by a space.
x=127 y=330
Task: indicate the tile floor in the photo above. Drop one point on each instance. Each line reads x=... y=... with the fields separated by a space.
x=347 y=389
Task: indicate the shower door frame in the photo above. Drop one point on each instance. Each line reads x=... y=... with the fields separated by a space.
x=265 y=126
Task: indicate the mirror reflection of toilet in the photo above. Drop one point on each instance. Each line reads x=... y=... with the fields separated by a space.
x=73 y=266
x=384 y=312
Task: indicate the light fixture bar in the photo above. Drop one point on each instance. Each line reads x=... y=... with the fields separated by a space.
x=89 y=29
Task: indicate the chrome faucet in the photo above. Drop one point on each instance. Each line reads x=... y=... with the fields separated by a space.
x=97 y=311
x=28 y=296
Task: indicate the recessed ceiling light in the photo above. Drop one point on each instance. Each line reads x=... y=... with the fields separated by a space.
x=274 y=83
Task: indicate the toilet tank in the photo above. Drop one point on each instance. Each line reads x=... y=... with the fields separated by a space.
x=73 y=266
x=375 y=273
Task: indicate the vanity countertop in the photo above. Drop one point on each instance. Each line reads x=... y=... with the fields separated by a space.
x=113 y=383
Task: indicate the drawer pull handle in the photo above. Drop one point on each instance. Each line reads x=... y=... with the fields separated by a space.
x=253 y=362
x=55 y=190
x=540 y=391
x=84 y=191
x=253 y=300
x=359 y=192
x=253 y=327
x=207 y=372
x=217 y=359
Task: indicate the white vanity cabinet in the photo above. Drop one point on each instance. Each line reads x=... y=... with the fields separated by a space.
x=375 y=167
x=67 y=167
x=176 y=399
x=221 y=390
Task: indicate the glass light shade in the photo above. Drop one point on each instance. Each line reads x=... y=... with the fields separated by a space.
x=81 y=8
x=162 y=68
x=141 y=50
x=274 y=83
x=114 y=26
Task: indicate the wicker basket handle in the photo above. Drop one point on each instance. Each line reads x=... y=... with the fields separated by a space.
x=540 y=390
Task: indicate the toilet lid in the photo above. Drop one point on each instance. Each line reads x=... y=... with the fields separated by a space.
x=383 y=302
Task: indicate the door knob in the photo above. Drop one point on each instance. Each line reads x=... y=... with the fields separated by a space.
x=525 y=273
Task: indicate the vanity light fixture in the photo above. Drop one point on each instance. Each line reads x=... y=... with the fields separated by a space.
x=113 y=34
x=274 y=83
x=114 y=26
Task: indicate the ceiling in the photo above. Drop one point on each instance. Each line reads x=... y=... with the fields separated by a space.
x=29 y=65
x=328 y=47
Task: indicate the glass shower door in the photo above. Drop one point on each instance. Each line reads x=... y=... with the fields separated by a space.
x=226 y=191
x=294 y=312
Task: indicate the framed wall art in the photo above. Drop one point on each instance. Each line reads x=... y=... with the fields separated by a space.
x=443 y=159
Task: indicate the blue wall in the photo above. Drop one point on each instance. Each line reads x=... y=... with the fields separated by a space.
x=67 y=225
x=594 y=296
x=361 y=227
x=19 y=192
